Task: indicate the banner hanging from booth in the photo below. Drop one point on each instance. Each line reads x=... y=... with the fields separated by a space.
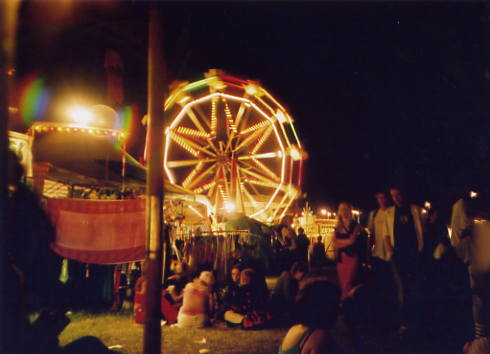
x=99 y=231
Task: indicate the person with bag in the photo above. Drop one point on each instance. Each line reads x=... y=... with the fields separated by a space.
x=348 y=249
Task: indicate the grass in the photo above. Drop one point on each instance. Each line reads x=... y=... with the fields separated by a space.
x=120 y=329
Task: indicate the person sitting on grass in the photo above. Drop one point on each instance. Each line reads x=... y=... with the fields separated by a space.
x=197 y=302
x=315 y=315
x=248 y=309
x=287 y=287
x=231 y=288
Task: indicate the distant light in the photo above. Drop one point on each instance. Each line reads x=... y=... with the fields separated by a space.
x=427 y=205
x=356 y=212
x=323 y=211
x=251 y=90
x=295 y=154
x=80 y=115
x=230 y=207
x=424 y=211
x=280 y=116
x=292 y=225
x=473 y=194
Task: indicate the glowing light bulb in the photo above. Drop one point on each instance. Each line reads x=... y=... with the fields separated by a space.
x=295 y=154
x=473 y=194
x=80 y=115
x=323 y=211
x=229 y=207
x=280 y=116
x=251 y=90
x=427 y=205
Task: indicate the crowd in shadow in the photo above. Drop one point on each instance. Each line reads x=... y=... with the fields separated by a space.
x=398 y=284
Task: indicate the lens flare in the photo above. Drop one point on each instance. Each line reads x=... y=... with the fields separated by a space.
x=34 y=98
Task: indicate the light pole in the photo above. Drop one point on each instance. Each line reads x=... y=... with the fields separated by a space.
x=154 y=195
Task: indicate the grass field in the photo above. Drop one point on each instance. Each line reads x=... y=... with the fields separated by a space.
x=119 y=329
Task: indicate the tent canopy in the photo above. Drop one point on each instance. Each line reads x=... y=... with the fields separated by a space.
x=85 y=159
x=243 y=222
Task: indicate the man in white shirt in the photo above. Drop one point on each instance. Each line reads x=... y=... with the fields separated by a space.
x=404 y=240
x=376 y=225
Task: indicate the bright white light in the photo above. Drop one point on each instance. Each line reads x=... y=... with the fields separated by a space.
x=230 y=207
x=473 y=194
x=427 y=205
x=424 y=211
x=295 y=154
x=251 y=90
x=280 y=116
x=292 y=225
x=323 y=211
x=80 y=115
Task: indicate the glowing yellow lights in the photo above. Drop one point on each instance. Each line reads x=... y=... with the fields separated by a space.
x=255 y=127
x=241 y=150
x=251 y=90
x=192 y=132
x=69 y=128
x=323 y=211
x=280 y=116
x=473 y=194
x=184 y=99
x=427 y=205
x=195 y=211
x=80 y=115
x=356 y=212
x=424 y=211
x=295 y=154
x=229 y=206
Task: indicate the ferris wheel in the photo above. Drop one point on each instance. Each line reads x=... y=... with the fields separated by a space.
x=230 y=140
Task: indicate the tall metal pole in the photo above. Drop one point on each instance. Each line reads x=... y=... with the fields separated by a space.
x=154 y=194
x=8 y=31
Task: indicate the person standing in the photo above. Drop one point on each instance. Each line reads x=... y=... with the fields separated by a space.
x=302 y=248
x=404 y=240
x=471 y=239
x=347 y=248
x=376 y=223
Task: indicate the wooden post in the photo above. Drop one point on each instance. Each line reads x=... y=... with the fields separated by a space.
x=156 y=98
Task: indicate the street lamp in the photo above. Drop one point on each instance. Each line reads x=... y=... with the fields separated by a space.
x=323 y=211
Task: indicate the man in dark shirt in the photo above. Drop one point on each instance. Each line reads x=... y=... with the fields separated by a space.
x=404 y=242
x=303 y=243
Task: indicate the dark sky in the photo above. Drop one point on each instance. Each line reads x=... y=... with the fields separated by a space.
x=382 y=93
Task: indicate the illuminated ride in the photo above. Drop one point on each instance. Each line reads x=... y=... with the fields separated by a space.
x=230 y=140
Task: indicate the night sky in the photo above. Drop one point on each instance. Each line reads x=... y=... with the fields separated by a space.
x=382 y=93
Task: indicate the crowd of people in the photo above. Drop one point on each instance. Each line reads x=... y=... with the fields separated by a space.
x=401 y=272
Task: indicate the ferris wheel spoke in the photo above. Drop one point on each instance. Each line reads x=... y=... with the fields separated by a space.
x=191 y=175
x=214 y=118
x=197 y=179
x=262 y=139
x=251 y=137
x=195 y=120
x=185 y=143
x=204 y=188
x=249 y=196
x=200 y=114
x=264 y=183
x=241 y=112
x=264 y=155
x=263 y=167
x=225 y=181
x=185 y=163
x=268 y=181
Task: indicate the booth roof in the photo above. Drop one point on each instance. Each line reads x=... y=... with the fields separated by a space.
x=85 y=159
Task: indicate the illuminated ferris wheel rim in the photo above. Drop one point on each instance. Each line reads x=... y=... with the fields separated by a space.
x=254 y=97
